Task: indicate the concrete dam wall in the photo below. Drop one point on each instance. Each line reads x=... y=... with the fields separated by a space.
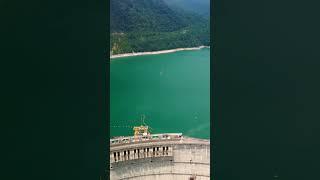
x=185 y=158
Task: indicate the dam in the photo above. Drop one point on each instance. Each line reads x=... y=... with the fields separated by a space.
x=166 y=156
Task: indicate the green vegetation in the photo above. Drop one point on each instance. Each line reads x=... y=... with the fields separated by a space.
x=151 y=25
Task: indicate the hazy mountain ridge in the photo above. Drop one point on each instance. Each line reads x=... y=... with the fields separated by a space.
x=201 y=7
x=151 y=25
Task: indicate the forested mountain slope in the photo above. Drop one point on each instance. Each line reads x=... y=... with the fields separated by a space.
x=150 y=25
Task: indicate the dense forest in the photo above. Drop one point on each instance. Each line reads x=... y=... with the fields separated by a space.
x=150 y=25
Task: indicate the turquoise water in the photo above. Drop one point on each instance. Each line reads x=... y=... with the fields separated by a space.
x=172 y=91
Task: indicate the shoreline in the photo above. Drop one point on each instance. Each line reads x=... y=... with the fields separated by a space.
x=157 y=52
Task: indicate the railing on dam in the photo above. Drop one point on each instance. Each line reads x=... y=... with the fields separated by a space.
x=140 y=153
x=147 y=138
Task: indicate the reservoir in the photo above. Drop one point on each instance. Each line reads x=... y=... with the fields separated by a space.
x=171 y=90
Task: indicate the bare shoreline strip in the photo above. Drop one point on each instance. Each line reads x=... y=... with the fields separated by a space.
x=156 y=52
